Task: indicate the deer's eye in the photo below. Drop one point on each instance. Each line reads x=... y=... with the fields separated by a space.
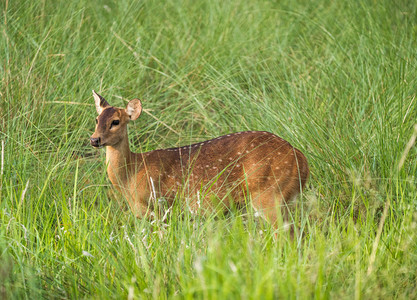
x=96 y=121
x=114 y=123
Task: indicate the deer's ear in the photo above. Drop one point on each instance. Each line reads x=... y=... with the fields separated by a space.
x=133 y=109
x=101 y=103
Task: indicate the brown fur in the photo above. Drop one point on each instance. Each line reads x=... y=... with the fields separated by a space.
x=254 y=165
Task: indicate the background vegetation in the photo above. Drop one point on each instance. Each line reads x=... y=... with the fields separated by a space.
x=335 y=78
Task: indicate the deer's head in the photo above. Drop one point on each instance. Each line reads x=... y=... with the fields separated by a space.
x=111 y=123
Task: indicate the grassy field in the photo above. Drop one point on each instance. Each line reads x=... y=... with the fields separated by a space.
x=337 y=79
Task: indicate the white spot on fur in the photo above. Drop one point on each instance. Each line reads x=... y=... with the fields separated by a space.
x=220 y=160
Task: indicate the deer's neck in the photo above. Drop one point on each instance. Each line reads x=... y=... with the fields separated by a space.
x=119 y=159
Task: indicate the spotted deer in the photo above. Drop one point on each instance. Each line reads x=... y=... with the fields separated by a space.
x=255 y=167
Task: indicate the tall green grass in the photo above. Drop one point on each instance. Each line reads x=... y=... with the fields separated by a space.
x=335 y=78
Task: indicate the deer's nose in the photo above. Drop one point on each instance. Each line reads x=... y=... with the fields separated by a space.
x=95 y=142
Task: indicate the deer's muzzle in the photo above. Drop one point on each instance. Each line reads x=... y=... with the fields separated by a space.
x=95 y=142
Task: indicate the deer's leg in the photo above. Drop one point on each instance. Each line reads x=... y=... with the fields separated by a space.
x=140 y=210
x=271 y=205
x=138 y=202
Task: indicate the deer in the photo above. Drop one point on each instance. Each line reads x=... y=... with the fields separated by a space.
x=255 y=167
